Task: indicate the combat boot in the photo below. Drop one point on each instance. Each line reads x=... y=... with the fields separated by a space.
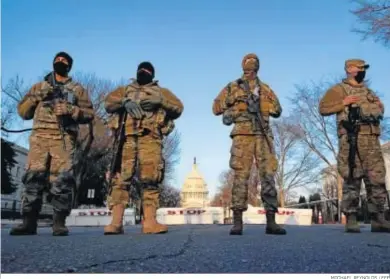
x=272 y=227
x=237 y=223
x=150 y=224
x=352 y=226
x=379 y=223
x=116 y=226
x=28 y=227
x=59 y=228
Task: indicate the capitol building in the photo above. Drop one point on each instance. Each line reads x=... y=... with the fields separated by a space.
x=194 y=192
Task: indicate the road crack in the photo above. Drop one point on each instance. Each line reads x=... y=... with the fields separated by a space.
x=132 y=261
x=378 y=245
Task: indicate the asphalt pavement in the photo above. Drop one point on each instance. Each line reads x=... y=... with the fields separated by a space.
x=198 y=249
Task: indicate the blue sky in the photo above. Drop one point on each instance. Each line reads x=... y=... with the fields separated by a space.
x=196 y=47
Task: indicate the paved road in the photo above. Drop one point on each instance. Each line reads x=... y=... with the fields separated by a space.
x=198 y=248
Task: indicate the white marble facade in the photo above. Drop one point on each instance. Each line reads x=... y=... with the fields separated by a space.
x=194 y=192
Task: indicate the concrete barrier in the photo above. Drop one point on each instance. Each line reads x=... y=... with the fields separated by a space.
x=286 y=216
x=215 y=215
x=97 y=217
x=181 y=216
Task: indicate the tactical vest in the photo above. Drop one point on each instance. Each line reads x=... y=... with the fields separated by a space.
x=156 y=121
x=235 y=100
x=44 y=118
x=370 y=113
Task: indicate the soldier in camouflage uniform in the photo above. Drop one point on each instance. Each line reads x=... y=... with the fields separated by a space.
x=50 y=159
x=150 y=112
x=370 y=167
x=249 y=142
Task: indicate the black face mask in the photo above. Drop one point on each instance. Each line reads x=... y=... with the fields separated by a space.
x=360 y=76
x=144 y=78
x=61 y=68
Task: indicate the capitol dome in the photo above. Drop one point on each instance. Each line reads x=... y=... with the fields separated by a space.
x=194 y=192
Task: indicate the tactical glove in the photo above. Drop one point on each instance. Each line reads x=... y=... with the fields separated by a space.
x=133 y=109
x=227 y=118
x=42 y=93
x=151 y=102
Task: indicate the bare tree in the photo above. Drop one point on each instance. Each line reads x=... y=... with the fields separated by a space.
x=11 y=94
x=318 y=133
x=297 y=164
x=224 y=194
x=374 y=18
x=97 y=88
x=8 y=112
x=329 y=178
x=15 y=89
x=171 y=154
x=170 y=197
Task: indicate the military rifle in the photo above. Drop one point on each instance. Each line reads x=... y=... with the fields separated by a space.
x=56 y=96
x=352 y=127
x=116 y=145
x=253 y=103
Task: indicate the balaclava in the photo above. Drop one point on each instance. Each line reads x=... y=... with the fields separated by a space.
x=61 y=68
x=145 y=73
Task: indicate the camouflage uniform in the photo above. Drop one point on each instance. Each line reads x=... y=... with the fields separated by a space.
x=141 y=150
x=370 y=166
x=249 y=144
x=50 y=158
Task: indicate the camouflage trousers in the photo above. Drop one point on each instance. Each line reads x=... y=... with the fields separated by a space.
x=49 y=169
x=370 y=168
x=244 y=151
x=141 y=156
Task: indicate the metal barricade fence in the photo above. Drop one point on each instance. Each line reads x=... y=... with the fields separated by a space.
x=326 y=211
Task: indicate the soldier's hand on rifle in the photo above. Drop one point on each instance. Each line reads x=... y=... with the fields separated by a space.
x=43 y=93
x=133 y=109
x=61 y=109
x=151 y=102
x=350 y=100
